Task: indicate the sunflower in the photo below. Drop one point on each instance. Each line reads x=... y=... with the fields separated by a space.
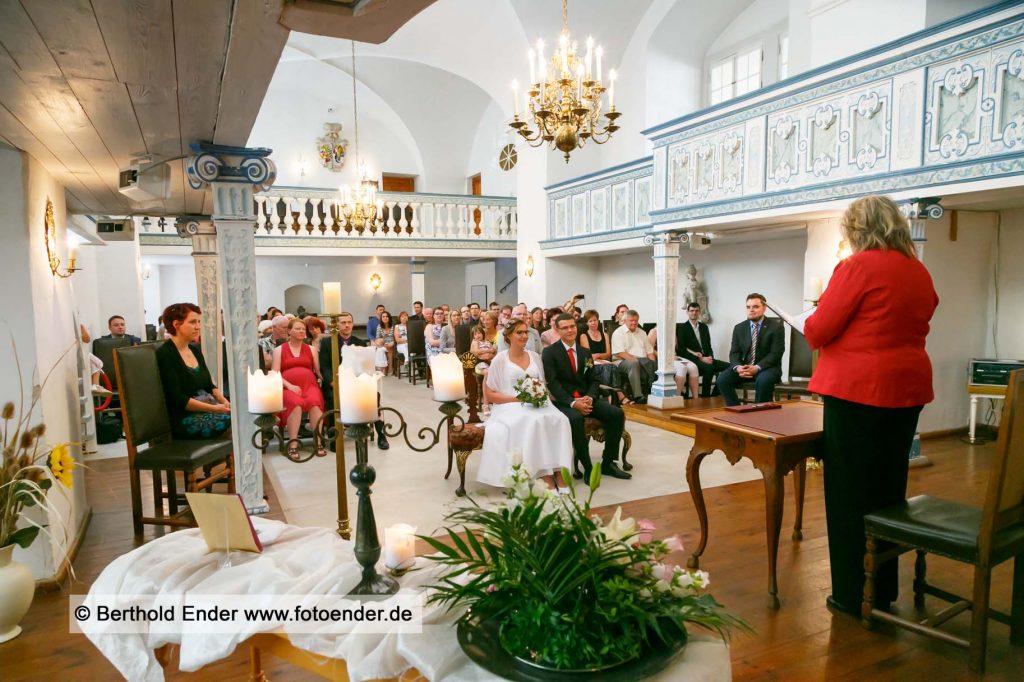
x=62 y=464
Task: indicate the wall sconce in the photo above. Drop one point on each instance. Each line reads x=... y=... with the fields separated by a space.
x=50 y=232
x=375 y=281
x=147 y=271
x=529 y=266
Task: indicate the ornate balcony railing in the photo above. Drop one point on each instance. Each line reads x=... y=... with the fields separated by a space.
x=288 y=214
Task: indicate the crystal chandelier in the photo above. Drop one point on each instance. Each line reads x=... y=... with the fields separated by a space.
x=358 y=205
x=563 y=99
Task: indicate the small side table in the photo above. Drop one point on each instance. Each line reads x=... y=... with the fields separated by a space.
x=977 y=391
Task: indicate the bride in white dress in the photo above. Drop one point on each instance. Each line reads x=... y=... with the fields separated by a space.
x=542 y=434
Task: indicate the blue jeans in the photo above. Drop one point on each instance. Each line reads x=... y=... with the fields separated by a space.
x=764 y=384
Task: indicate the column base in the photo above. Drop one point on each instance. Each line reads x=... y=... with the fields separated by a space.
x=666 y=402
x=261 y=508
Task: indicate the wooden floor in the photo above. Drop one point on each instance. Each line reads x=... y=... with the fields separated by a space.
x=801 y=641
x=662 y=419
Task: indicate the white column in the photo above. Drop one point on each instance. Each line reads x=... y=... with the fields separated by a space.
x=417 y=269
x=232 y=173
x=201 y=231
x=666 y=273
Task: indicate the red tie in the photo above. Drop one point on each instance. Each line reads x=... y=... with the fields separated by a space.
x=572 y=361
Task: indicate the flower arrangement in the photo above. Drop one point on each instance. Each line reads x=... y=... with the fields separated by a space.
x=29 y=469
x=569 y=590
x=531 y=391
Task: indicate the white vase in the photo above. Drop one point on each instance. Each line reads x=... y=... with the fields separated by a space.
x=17 y=588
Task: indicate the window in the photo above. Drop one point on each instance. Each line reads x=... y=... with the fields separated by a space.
x=783 y=57
x=737 y=74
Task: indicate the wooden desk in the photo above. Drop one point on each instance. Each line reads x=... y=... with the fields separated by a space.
x=776 y=442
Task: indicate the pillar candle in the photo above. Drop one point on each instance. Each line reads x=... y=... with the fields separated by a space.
x=332 y=298
x=358 y=396
x=446 y=371
x=266 y=392
x=400 y=546
x=814 y=287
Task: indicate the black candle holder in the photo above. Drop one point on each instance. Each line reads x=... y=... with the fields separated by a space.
x=367 y=549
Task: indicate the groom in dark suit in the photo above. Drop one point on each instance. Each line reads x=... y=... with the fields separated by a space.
x=573 y=384
x=756 y=354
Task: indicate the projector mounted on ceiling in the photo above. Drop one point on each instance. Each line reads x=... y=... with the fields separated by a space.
x=141 y=183
x=116 y=230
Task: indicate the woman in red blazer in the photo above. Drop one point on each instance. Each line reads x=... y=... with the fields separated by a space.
x=875 y=377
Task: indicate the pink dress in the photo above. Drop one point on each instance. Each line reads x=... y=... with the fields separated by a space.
x=299 y=372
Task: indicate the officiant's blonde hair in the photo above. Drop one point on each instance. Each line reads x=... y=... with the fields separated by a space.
x=876 y=222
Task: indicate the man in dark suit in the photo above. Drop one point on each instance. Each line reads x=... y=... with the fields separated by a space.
x=117 y=327
x=755 y=355
x=345 y=338
x=417 y=310
x=693 y=343
x=573 y=384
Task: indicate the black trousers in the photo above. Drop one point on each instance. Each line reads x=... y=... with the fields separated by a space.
x=614 y=421
x=764 y=384
x=866 y=455
x=707 y=371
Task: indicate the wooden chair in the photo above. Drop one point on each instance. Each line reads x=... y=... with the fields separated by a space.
x=983 y=537
x=417 y=348
x=151 y=447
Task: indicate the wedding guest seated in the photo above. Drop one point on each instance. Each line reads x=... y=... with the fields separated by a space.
x=384 y=341
x=116 y=327
x=504 y=315
x=432 y=334
x=278 y=335
x=550 y=335
x=620 y=314
x=196 y=408
x=537 y=319
x=373 y=323
x=693 y=342
x=315 y=329
x=448 y=333
x=635 y=356
x=541 y=434
x=597 y=343
x=686 y=370
x=402 y=335
x=755 y=354
x=300 y=371
x=573 y=384
x=272 y=312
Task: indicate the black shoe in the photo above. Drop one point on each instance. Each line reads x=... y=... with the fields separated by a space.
x=834 y=606
x=642 y=400
x=382 y=442
x=614 y=471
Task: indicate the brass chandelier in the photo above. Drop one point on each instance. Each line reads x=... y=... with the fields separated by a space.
x=564 y=98
x=357 y=206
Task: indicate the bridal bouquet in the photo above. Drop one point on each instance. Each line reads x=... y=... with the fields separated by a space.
x=565 y=588
x=532 y=391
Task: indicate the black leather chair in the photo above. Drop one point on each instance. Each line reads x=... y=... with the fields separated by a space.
x=801 y=366
x=151 y=447
x=104 y=350
x=463 y=339
x=983 y=537
x=417 y=349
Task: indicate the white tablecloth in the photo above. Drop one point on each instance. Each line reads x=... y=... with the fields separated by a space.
x=304 y=561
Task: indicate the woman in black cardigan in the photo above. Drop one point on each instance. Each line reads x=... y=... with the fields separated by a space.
x=195 y=406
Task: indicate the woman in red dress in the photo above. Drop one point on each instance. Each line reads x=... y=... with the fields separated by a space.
x=300 y=372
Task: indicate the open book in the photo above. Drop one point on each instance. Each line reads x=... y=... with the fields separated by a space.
x=224 y=522
x=795 y=321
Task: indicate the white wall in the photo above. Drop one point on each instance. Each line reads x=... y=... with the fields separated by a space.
x=477 y=273
x=1009 y=320
x=177 y=284
x=119 y=281
x=445 y=282
x=40 y=312
x=505 y=272
x=490 y=137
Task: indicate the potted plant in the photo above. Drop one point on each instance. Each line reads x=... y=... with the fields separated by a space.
x=564 y=589
x=29 y=469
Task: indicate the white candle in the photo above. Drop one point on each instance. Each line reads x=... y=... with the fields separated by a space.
x=600 y=53
x=563 y=45
x=515 y=97
x=332 y=298
x=358 y=397
x=533 y=67
x=611 y=88
x=400 y=546
x=814 y=288
x=579 y=81
x=266 y=392
x=449 y=382
x=541 y=63
x=590 y=55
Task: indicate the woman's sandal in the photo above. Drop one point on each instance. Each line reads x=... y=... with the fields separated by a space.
x=293 y=453
x=321 y=451
x=626 y=401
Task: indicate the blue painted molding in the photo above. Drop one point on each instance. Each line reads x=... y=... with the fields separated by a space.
x=604 y=171
x=340 y=243
x=652 y=132
x=915 y=178
x=599 y=237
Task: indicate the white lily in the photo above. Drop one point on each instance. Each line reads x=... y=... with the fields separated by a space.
x=619 y=529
